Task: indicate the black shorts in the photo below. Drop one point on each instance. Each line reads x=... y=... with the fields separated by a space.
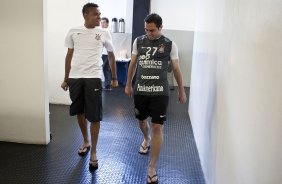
x=153 y=106
x=86 y=97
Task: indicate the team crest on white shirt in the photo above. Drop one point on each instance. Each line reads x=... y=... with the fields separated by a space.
x=98 y=37
x=161 y=48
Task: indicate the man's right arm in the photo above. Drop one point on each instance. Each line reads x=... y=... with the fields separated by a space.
x=130 y=75
x=67 y=68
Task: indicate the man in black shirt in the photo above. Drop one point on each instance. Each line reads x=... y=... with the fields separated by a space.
x=150 y=57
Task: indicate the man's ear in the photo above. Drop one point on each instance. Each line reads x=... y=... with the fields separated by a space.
x=84 y=15
x=160 y=28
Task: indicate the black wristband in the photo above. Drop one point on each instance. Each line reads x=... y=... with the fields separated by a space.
x=114 y=78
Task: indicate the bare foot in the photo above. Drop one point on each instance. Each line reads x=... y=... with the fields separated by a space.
x=83 y=150
x=152 y=176
x=145 y=146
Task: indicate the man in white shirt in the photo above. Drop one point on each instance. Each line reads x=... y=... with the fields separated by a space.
x=83 y=73
x=106 y=65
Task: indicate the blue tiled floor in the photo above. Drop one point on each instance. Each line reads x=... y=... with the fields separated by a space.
x=119 y=141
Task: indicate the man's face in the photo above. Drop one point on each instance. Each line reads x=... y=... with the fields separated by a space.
x=93 y=16
x=152 y=31
x=104 y=24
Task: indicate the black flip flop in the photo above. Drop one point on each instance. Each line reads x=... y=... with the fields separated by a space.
x=93 y=165
x=144 y=148
x=153 y=182
x=83 y=153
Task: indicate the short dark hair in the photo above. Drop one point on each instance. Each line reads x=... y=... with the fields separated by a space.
x=88 y=6
x=154 y=18
x=105 y=19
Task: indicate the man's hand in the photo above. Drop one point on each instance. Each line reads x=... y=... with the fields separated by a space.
x=182 y=96
x=128 y=90
x=65 y=86
x=114 y=83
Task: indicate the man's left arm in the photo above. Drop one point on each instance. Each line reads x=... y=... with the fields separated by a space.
x=111 y=56
x=112 y=62
x=179 y=80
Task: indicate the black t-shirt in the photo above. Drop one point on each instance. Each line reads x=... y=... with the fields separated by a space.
x=152 y=65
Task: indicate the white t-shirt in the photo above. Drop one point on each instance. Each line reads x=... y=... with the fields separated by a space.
x=105 y=52
x=88 y=45
x=173 y=52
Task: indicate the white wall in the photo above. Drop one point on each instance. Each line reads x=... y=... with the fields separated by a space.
x=184 y=42
x=61 y=16
x=236 y=91
x=118 y=9
x=179 y=24
x=24 y=107
x=176 y=15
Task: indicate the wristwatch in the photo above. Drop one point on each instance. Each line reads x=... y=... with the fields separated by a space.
x=114 y=78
